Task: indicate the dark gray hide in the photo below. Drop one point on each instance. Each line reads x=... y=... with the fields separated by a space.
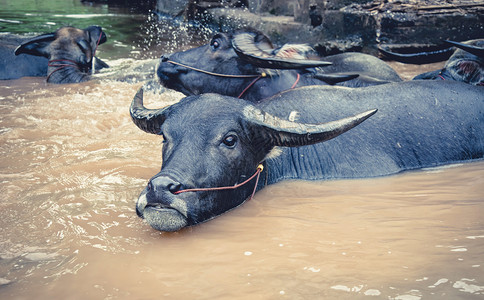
x=69 y=50
x=465 y=65
x=372 y=70
x=13 y=66
x=212 y=141
x=228 y=54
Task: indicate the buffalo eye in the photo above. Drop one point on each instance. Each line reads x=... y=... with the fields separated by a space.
x=230 y=141
x=215 y=44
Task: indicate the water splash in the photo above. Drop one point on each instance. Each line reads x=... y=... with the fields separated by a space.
x=166 y=35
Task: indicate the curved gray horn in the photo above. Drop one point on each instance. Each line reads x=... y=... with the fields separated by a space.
x=418 y=58
x=36 y=46
x=335 y=78
x=477 y=51
x=149 y=120
x=245 y=47
x=285 y=133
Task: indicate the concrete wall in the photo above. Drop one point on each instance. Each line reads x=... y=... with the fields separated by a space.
x=171 y=7
x=342 y=27
x=299 y=9
x=274 y=7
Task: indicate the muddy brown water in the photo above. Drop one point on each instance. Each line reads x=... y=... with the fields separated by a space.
x=72 y=165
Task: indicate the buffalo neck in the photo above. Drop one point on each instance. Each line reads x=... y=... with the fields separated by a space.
x=65 y=71
x=415 y=129
x=270 y=85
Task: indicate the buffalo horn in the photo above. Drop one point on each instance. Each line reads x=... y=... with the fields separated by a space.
x=419 y=58
x=477 y=51
x=335 y=78
x=35 y=45
x=285 y=133
x=245 y=46
x=149 y=120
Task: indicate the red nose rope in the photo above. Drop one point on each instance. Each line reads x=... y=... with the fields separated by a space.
x=440 y=75
x=257 y=77
x=60 y=64
x=257 y=173
x=68 y=63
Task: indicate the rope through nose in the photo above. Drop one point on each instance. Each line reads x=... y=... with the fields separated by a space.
x=256 y=174
x=93 y=67
x=256 y=76
x=212 y=73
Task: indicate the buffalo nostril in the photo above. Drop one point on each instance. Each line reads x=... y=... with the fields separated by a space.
x=174 y=187
x=163 y=184
x=164 y=58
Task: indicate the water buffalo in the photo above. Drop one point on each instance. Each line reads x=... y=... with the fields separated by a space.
x=466 y=64
x=214 y=141
x=245 y=64
x=64 y=56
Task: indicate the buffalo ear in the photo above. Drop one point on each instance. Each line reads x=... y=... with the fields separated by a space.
x=84 y=45
x=428 y=75
x=96 y=35
x=335 y=78
x=36 y=46
x=246 y=48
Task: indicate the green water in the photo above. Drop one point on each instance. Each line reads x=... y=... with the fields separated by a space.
x=132 y=32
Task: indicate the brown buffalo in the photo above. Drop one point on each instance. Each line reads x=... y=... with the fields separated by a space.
x=64 y=56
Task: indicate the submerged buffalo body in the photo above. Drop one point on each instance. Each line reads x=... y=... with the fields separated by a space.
x=13 y=66
x=246 y=65
x=219 y=141
x=64 y=56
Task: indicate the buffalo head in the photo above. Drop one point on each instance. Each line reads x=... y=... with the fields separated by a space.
x=70 y=52
x=231 y=62
x=217 y=147
x=466 y=64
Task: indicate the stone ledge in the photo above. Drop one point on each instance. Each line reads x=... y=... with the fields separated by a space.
x=360 y=27
x=353 y=27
